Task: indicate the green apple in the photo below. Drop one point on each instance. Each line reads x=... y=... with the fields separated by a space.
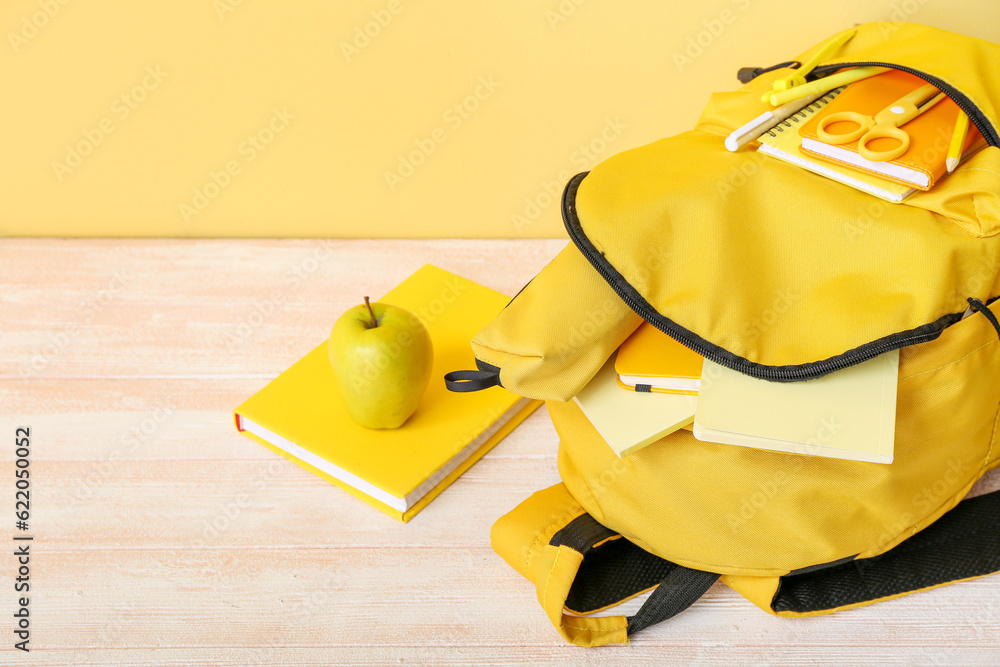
x=382 y=357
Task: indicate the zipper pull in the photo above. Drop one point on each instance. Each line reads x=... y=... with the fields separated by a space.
x=978 y=306
x=748 y=74
x=798 y=77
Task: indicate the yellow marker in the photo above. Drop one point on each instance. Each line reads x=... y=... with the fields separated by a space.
x=957 y=141
x=825 y=84
x=798 y=77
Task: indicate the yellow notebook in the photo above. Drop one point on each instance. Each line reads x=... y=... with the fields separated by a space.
x=849 y=414
x=630 y=420
x=784 y=143
x=650 y=360
x=398 y=471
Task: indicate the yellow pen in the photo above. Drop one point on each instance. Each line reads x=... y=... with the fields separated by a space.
x=798 y=77
x=957 y=142
x=825 y=84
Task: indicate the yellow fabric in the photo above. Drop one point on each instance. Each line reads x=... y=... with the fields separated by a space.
x=782 y=266
x=558 y=332
x=738 y=510
x=522 y=538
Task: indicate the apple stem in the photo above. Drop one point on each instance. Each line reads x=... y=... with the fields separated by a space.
x=372 y=313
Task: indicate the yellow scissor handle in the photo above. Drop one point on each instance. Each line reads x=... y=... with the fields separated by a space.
x=798 y=76
x=864 y=124
x=889 y=120
x=884 y=132
x=885 y=125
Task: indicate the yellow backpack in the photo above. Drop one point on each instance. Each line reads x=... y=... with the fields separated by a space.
x=783 y=275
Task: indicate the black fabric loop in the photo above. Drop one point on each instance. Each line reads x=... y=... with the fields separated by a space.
x=582 y=534
x=614 y=569
x=981 y=307
x=678 y=591
x=462 y=381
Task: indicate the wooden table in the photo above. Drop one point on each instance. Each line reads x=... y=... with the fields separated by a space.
x=164 y=537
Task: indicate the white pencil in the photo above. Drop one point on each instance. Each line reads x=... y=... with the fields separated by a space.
x=764 y=122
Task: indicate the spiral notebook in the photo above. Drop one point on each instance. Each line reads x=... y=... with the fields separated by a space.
x=784 y=143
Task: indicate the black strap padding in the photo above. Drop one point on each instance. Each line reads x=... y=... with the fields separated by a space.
x=981 y=307
x=963 y=543
x=614 y=569
x=462 y=381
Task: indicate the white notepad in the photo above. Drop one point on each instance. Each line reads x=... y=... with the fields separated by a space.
x=848 y=414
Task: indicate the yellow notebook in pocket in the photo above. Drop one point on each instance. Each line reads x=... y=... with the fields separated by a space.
x=848 y=414
x=300 y=414
x=650 y=360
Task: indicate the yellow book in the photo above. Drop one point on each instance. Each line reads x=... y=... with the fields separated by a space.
x=848 y=414
x=300 y=414
x=630 y=420
x=650 y=360
x=784 y=143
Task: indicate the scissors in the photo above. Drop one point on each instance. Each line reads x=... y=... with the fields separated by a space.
x=885 y=125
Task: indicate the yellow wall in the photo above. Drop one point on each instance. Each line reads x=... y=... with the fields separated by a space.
x=165 y=98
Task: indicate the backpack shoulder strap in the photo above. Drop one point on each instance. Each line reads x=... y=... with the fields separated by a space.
x=580 y=567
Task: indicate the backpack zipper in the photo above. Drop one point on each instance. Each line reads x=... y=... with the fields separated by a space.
x=967 y=106
x=789 y=373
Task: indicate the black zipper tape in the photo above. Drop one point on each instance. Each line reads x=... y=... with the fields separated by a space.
x=748 y=74
x=967 y=106
x=787 y=373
